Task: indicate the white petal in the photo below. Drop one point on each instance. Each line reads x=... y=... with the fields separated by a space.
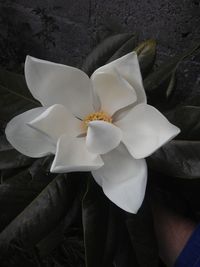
x=102 y=137
x=145 y=129
x=128 y=67
x=52 y=83
x=56 y=121
x=72 y=155
x=26 y=140
x=123 y=179
x=113 y=90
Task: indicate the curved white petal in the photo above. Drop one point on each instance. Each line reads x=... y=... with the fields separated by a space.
x=52 y=83
x=123 y=179
x=128 y=67
x=145 y=129
x=72 y=155
x=56 y=121
x=26 y=140
x=114 y=91
x=102 y=137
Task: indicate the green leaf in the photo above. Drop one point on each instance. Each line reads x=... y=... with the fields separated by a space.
x=99 y=227
x=194 y=100
x=127 y=47
x=171 y=84
x=11 y=158
x=142 y=235
x=125 y=251
x=154 y=81
x=13 y=199
x=187 y=119
x=20 y=186
x=42 y=216
x=115 y=237
x=180 y=157
x=146 y=52
x=15 y=97
x=110 y=48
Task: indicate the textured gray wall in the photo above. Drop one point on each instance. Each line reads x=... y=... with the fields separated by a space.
x=66 y=30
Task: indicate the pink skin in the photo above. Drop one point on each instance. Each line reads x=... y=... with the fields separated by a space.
x=172 y=231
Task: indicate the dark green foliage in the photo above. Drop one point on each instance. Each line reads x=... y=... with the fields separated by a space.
x=146 y=52
x=141 y=232
x=114 y=236
x=110 y=48
x=99 y=224
x=15 y=97
x=160 y=84
x=180 y=157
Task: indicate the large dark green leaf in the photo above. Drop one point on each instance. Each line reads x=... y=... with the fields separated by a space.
x=171 y=83
x=70 y=252
x=99 y=227
x=146 y=52
x=34 y=222
x=125 y=253
x=60 y=244
x=180 y=157
x=141 y=231
x=11 y=158
x=194 y=100
x=111 y=48
x=40 y=217
x=114 y=237
x=20 y=186
x=37 y=175
x=127 y=47
x=187 y=118
x=13 y=199
x=15 y=97
x=180 y=195
x=154 y=82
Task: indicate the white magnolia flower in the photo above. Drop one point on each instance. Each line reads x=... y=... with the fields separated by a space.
x=81 y=123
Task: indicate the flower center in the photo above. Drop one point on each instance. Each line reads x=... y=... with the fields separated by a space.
x=96 y=116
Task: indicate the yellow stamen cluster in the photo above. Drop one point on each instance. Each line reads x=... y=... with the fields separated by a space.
x=96 y=116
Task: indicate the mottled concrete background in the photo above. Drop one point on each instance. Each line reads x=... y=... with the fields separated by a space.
x=66 y=30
